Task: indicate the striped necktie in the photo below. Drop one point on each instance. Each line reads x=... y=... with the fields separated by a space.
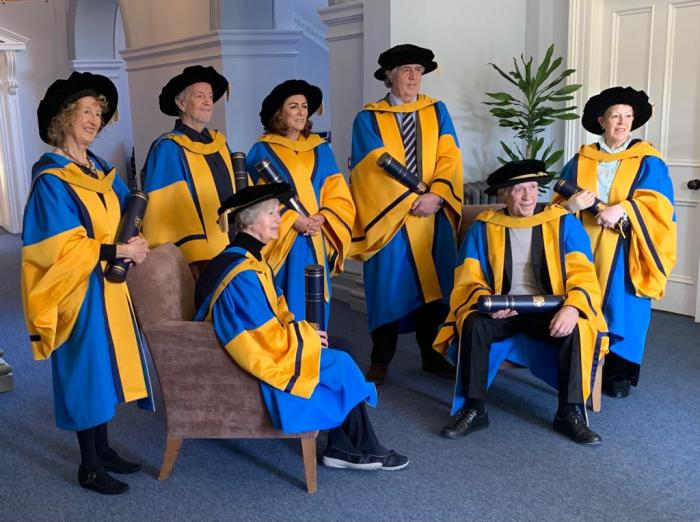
x=408 y=133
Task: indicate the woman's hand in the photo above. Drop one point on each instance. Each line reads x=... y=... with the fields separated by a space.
x=610 y=216
x=324 y=338
x=135 y=250
x=317 y=222
x=308 y=226
x=580 y=201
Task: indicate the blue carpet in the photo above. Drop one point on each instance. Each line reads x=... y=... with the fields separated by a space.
x=518 y=469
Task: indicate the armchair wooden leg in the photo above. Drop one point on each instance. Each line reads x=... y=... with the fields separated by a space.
x=598 y=387
x=172 y=449
x=308 y=451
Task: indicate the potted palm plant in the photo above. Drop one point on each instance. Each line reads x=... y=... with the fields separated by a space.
x=536 y=105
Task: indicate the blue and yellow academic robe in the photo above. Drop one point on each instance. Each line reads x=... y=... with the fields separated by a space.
x=632 y=271
x=408 y=260
x=309 y=167
x=185 y=195
x=84 y=323
x=570 y=270
x=304 y=387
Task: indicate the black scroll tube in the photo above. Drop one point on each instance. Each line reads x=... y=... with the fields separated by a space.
x=393 y=167
x=526 y=304
x=568 y=189
x=315 y=302
x=240 y=174
x=270 y=174
x=129 y=226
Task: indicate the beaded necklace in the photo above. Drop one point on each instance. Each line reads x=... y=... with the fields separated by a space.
x=88 y=168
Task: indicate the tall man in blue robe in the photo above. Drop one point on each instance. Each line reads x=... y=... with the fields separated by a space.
x=406 y=240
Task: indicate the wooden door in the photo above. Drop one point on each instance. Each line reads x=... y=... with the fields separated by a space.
x=653 y=45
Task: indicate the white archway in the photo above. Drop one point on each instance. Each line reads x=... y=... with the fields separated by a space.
x=95 y=37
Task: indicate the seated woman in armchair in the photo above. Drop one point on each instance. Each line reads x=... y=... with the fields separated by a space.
x=306 y=386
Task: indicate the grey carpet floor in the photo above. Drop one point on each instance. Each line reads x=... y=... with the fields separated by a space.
x=646 y=469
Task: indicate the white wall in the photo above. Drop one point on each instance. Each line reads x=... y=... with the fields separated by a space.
x=465 y=38
x=312 y=66
x=97 y=52
x=153 y=22
x=45 y=60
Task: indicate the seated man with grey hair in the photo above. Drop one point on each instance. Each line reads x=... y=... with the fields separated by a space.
x=532 y=251
x=188 y=171
x=305 y=385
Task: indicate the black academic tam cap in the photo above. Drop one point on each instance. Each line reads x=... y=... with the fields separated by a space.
x=190 y=75
x=598 y=104
x=284 y=90
x=405 y=54
x=78 y=85
x=515 y=172
x=252 y=195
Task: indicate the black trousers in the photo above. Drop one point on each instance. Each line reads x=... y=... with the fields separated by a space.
x=480 y=330
x=94 y=446
x=356 y=434
x=428 y=319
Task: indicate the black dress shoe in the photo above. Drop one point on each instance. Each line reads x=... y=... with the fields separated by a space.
x=573 y=426
x=101 y=482
x=377 y=373
x=617 y=387
x=114 y=463
x=464 y=423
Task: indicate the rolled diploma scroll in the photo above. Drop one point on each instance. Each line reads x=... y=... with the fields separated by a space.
x=129 y=226
x=401 y=174
x=567 y=189
x=240 y=174
x=315 y=302
x=269 y=174
x=523 y=304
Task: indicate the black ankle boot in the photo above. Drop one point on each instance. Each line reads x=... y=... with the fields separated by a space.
x=114 y=463
x=101 y=482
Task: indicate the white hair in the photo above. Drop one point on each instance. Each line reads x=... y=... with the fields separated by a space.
x=387 y=76
x=248 y=216
x=181 y=98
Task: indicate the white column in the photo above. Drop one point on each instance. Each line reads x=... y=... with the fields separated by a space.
x=15 y=176
x=254 y=62
x=347 y=80
x=346 y=68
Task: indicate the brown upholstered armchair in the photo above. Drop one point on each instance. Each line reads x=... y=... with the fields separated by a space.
x=469 y=213
x=206 y=394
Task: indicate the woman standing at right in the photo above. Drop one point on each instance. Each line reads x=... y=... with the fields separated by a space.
x=630 y=177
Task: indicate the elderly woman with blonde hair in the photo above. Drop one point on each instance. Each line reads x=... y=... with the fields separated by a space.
x=77 y=318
